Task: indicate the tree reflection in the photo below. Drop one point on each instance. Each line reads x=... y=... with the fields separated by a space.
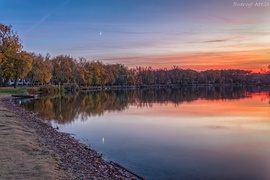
x=68 y=108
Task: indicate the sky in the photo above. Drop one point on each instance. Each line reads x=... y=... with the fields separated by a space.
x=196 y=34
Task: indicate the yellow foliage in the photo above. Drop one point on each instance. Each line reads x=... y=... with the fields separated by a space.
x=42 y=69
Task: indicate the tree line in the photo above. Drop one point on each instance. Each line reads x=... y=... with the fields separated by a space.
x=64 y=109
x=15 y=64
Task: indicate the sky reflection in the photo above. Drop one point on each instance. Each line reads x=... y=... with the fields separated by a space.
x=202 y=139
x=208 y=133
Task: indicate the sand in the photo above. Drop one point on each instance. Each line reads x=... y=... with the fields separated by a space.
x=22 y=153
x=33 y=149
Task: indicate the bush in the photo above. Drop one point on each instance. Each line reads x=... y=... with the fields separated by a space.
x=49 y=89
x=71 y=87
x=32 y=91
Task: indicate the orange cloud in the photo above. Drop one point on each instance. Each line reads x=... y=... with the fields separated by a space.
x=217 y=40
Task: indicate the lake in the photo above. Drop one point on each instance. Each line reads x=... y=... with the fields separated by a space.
x=187 y=133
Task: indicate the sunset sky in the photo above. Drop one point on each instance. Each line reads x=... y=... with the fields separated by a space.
x=195 y=34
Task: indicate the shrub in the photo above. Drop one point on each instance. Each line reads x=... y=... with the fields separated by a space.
x=71 y=87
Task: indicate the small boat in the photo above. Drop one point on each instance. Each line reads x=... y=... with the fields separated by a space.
x=24 y=96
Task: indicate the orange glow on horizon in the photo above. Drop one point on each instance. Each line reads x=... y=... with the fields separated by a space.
x=246 y=60
x=255 y=106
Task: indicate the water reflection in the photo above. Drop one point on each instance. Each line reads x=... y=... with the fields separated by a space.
x=189 y=133
x=65 y=109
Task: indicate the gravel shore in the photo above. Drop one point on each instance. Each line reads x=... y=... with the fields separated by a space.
x=33 y=149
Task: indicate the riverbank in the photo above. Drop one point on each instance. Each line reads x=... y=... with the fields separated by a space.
x=33 y=149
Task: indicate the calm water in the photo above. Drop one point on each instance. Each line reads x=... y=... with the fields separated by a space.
x=213 y=133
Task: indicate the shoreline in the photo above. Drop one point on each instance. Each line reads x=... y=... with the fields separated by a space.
x=66 y=157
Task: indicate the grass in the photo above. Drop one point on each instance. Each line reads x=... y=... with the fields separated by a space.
x=47 y=89
x=9 y=90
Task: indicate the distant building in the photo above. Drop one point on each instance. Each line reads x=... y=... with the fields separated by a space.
x=26 y=81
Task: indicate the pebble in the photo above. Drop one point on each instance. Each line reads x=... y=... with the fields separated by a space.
x=78 y=159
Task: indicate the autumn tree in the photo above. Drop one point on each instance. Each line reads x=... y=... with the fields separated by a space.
x=22 y=65
x=9 y=47
x=42 y=68
x=15 y=63
x=80 y=71
x=17 y=66
x=95 y=73
x=121 y=74
x=109 y=70
x=63 y=68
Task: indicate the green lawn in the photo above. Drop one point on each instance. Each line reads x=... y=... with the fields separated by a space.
x=11 y=90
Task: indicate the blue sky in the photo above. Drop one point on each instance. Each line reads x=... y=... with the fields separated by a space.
x=159 y=33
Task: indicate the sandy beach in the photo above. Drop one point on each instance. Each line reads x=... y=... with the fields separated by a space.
x=33 y=149
x=23 y=155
